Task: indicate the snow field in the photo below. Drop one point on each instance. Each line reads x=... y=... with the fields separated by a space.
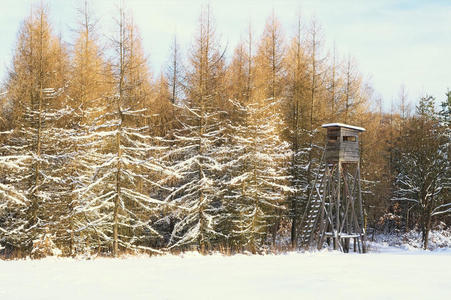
x=390 y=274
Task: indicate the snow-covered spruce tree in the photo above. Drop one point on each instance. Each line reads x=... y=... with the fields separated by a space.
x=12 y=201
x=270 y=73
x=261 y=182
x=422 y=165
x=296 y=133
x=257 y=178
x=239 y=90
x=162 y=125
x=36 y=89
x=116 y=200
x=91 y=85
x=197 y=146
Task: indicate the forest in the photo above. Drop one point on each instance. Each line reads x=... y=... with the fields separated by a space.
x=218 y=152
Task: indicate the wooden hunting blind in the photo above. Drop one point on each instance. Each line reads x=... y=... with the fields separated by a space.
x=342 y=142
x=334 y=210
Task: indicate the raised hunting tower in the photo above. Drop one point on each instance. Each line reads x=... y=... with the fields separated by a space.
x=342 y=143
x=334 y=210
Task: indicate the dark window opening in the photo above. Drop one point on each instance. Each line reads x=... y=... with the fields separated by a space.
x=333 y=139
x=349 y=139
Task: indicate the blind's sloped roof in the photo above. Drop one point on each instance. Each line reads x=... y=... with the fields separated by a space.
x=361 y=129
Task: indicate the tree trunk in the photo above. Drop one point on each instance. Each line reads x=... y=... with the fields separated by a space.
x=426 y=226
x=294 y=224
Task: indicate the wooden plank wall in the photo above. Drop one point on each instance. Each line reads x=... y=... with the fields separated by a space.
x=337 y=149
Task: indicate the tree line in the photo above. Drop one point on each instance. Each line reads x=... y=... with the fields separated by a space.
x=99 y=155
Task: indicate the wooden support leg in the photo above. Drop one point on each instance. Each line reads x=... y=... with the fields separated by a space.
x=364 y=250
x=337 y=209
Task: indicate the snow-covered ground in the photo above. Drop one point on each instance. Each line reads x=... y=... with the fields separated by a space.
x=385 y=273
x=412 y=239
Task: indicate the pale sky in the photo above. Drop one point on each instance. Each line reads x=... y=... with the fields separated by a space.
x=395 y=42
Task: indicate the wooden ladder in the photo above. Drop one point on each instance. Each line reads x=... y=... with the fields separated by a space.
x=311 y=212
x=308 y=225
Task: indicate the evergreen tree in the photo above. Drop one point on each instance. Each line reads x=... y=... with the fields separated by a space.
x=269 y=77
x=116 y=201
x=260 y=183
x=90 y=85
x=296 y=133
x=37 y=87
x=197 y=153
x=422 y=165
